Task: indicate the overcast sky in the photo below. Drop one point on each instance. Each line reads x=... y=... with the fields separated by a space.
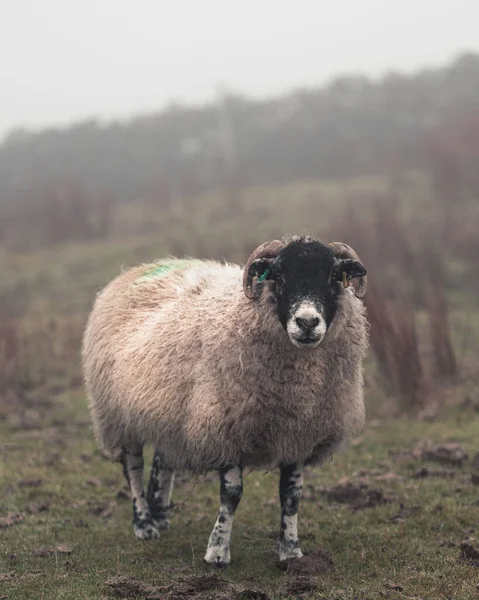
x=65 y=60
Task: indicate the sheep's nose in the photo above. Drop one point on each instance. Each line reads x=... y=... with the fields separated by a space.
x=307 y=323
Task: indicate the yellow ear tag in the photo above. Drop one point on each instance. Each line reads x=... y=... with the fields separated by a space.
x=345 y=281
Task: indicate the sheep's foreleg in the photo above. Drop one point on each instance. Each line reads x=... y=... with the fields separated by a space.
x=231 y=490
x=290 y=486
x=132 y=460
x=159 y=492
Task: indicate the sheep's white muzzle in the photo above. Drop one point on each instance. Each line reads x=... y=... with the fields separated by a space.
x=306 y=326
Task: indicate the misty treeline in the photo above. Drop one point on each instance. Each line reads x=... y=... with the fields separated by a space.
x=352 y=126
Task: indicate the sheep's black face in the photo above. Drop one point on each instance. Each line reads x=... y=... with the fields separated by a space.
x=307 y=279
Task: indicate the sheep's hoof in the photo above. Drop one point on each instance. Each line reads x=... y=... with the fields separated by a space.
x=218 y=556
x=145 y=531
x=286 y=553
x=161 y=524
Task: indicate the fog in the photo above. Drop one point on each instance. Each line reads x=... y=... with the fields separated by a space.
x=64 y=61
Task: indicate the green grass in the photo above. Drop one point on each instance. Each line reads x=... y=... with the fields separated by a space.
x=369 y=550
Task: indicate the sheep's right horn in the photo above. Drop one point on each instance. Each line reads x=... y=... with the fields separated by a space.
x=342 y=250
x=267 y=250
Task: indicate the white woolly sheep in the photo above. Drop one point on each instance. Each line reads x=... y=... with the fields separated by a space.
x=222 y=369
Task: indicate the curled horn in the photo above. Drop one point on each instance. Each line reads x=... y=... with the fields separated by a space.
x=342 y=250
x=267 y=250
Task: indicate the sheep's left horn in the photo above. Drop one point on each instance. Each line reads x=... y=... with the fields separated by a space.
x=342 y=250
x=267 y=250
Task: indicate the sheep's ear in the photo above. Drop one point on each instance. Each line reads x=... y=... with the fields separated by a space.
x=261 y=268
x=348 y=269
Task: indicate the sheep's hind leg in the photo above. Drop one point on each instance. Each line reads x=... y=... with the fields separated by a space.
x=290 y=486
x=132 y=460
x=159 y=492
x=231 y=490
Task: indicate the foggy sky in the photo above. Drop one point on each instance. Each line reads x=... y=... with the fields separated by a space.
x=62 y=61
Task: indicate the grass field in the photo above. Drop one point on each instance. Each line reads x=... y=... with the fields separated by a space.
x=391 y=511
x=74 y=531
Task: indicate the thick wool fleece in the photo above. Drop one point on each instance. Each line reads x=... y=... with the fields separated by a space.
x=180 y=358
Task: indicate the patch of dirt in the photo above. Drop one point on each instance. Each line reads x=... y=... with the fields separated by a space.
x=469 y=554
x=60 y=549
x=30 y=483
x=346 y=493
x=10 y=519
x=297 y=586
x=450 y=453
x=358 y=496
x=129 y=587
x=424 y=472
x=316 y=563
x=193 y=587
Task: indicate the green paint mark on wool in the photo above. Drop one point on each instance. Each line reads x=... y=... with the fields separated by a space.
x=160 y=268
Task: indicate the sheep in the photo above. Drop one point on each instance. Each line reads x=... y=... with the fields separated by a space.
x=225 y=369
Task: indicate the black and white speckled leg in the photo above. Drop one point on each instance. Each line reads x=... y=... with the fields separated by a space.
x=159 y=492
x=290 y=487
x=231 y=490
x=132 y=460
